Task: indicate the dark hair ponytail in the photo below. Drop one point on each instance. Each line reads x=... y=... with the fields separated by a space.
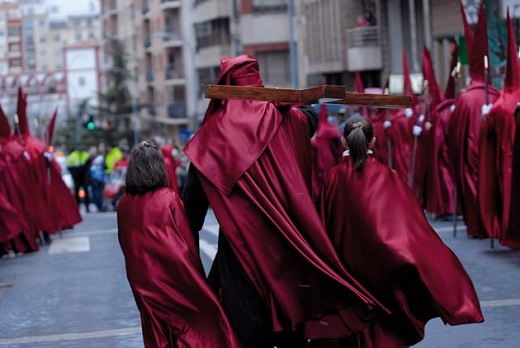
x=358 y=133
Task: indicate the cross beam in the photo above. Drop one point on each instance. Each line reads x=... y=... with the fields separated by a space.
x=325 y=94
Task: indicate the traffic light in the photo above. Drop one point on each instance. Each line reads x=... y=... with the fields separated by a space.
x=90 y=124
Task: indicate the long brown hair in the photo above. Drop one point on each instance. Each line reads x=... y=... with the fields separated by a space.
x=358 y=133
x=146 y=171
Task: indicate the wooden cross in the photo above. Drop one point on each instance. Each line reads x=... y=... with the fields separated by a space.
x=325 y=94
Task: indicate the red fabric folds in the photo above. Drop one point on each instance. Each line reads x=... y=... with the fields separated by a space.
x=463 y=135
x=326 y=149
x=262 y=200
x=171 y=167
x=373 y=212
x=177 y=306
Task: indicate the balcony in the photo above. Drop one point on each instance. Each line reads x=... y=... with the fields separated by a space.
x=145 y=9
x=177 y=110
x=363 y=49
x=147 y=42
x=171 y=38
x=149 y=76
x=173 y=76
x=170 y=4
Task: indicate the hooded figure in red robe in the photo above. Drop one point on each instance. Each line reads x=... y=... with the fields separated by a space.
x=464 y=127
x=275 y=269
x=177 y=306
x=326 y=149
x=171 y=166
x=17 y=232
x=424 y=130
x=497 y=136
x=513 y=232
x=60 y=205
x=399 y=128
x=410 y=269
x=440 y=183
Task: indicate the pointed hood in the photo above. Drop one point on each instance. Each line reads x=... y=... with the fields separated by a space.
x=511 y=76
x=5 y=128
x=359 y=82
x=407 y=82
x=50 y=127
x=468 y=33
x=449 y=91
x=479 y=47
x=325 y=128
x=21 y=110
x=429 y=74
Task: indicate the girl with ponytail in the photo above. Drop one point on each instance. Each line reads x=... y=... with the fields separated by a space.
x=382 y=237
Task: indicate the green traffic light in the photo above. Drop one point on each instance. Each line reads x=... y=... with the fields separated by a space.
x=91 y=125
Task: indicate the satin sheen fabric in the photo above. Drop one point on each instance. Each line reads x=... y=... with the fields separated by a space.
x=177 y=306
x=171 y=166
x=495 y=169
x=439 y=200
x=326 y=149
x=383 y=238
x=463 y=145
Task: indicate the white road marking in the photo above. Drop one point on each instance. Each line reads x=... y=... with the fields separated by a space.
x=450 y=229
x=70 y=245
x=71 y=336
x=208 y=248
x=501 y=303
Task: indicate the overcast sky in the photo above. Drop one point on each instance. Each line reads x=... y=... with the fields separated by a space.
x=74 y=6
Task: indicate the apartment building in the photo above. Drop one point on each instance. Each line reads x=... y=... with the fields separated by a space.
x=11 y=39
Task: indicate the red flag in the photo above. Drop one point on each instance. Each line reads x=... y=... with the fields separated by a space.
x=50 y=127
x=21 y=110
x=5 y=129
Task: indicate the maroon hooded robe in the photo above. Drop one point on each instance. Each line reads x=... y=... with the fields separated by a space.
x=464 y=130
x=326 y=148
x=171 y=166
x=177 y=306
x=513 y=232
x=262 y=200
x=60 y=204
x=497 y=137
x=383 y=238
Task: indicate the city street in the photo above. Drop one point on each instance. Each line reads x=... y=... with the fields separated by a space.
x=74 y=292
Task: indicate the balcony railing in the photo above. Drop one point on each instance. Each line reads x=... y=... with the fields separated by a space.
x=145 y=8
x=176 y=110
x=173 y=73
x=363 y=36
x=171 y=35
x=363 y=49
x=147 y=41
x=149 y=76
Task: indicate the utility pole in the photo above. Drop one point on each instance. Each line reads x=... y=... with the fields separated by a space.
x=292 y=44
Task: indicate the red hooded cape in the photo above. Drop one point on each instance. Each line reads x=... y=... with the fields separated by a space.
x=373 y=212
x=513 y=232
x=178 y=308
x=171 y=166
x=262 y=200
x=464 y=132
x=60 y=206
x=326 y=148
x=497 y=136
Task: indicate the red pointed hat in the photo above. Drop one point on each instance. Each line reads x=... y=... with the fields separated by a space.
x=511 y=76
x=5 y=128
x=50 y=127
x=21 y=110
x=479 y=47
x=468 y=33
x=359 y=82
x=429 y=74
x=407 y=82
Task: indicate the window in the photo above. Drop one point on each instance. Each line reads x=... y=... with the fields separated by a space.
x=15 y=62
x=57 y=38
x=41 y=23
x=269 y=5
x=203 y=29
x=42 y=39
x=78 y=36
x=81 y=81
x=274 y=67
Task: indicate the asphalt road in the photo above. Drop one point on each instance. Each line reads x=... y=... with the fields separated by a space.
x=74 y=293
